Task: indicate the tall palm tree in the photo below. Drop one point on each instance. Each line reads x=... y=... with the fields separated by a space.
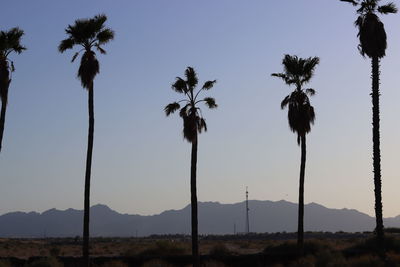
x=298 y=72
x=10 y=42
x=87 y=34
x=372 y=37
x=193 y=124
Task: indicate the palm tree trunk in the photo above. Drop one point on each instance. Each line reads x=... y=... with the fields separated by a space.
x=3 y=114
x=377 y=153
x=85 y=248
x=300 y=229
x=2 y=121
x=193 y=193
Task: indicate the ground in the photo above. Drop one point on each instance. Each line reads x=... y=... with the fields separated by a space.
x=321 y=249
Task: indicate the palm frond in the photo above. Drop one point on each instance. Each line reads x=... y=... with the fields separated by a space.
x=10 y=41
x=66 y=44
x=210 y=102
x=100 y=49
x=105 y=36
x=209 y=84
x=283 y=76
x=291 y=64
x=311 y=114
x=97 y=22
x=388 y=9
x=75 y=56
x=190 y=127
x=171 y=108
x=358 y=23
x=202 y=125
x=308 y=68
x=285 y=102
x=191 y=78
x=310 y=91
x=179 y=85
x=184 y=111
x=88 y=69
x=354 y=3
x=14 y=39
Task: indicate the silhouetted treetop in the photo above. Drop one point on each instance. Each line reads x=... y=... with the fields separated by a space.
x=87 y=33
x=193 y=121
x=371 y=31
x=298 y=71
x=10 y=41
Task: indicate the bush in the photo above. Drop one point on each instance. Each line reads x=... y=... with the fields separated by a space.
x=366 y=261
x=45 y=262
x=164 y=248
x=157 y=263
x=4 y=263
x=308 y=261
x=311 y=247
x=370 y=245
x=55 y=251
x=213 y=263
x=329 y=259
x=114 y=264
x=220 y=250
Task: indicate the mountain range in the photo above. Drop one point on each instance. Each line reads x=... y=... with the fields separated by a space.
x=214 y=218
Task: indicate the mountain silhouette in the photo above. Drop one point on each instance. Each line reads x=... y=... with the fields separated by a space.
x=214 y=218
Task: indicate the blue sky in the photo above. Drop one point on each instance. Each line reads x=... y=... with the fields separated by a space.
x=141 y=164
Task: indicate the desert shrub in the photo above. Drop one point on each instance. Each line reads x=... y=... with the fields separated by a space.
x=311 y=247
x=45 y=262
x=370 y=245
x=43 y=252
x=157 y=263
x=326 y=258
x=392 y=230
x=55 y=251
x=392 y=243
x=308 y=261
x=244 y=245
x=4 y=263
x=132 y=250
x=213 y=263
x=220 y=249
x=114 y=264
x=392 y=257
x=284 y=248
x=366 y=261
x=164 y=248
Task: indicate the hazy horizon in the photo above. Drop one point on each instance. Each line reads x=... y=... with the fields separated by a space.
x=141 y=164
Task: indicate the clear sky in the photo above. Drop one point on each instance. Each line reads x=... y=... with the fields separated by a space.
x=141 y=164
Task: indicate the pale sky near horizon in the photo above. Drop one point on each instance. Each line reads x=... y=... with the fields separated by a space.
x=141 y=164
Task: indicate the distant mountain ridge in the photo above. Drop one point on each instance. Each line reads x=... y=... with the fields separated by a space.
x=214 y=218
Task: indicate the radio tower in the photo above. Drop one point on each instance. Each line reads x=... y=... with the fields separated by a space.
x=247 y=212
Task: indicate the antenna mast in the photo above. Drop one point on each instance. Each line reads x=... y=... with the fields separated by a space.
x=247 y=212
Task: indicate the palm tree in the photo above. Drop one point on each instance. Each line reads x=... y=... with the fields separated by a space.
x=298 y=72
x=372 y=37
x=87 y=34
x=193 y=124
x=10 y=42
